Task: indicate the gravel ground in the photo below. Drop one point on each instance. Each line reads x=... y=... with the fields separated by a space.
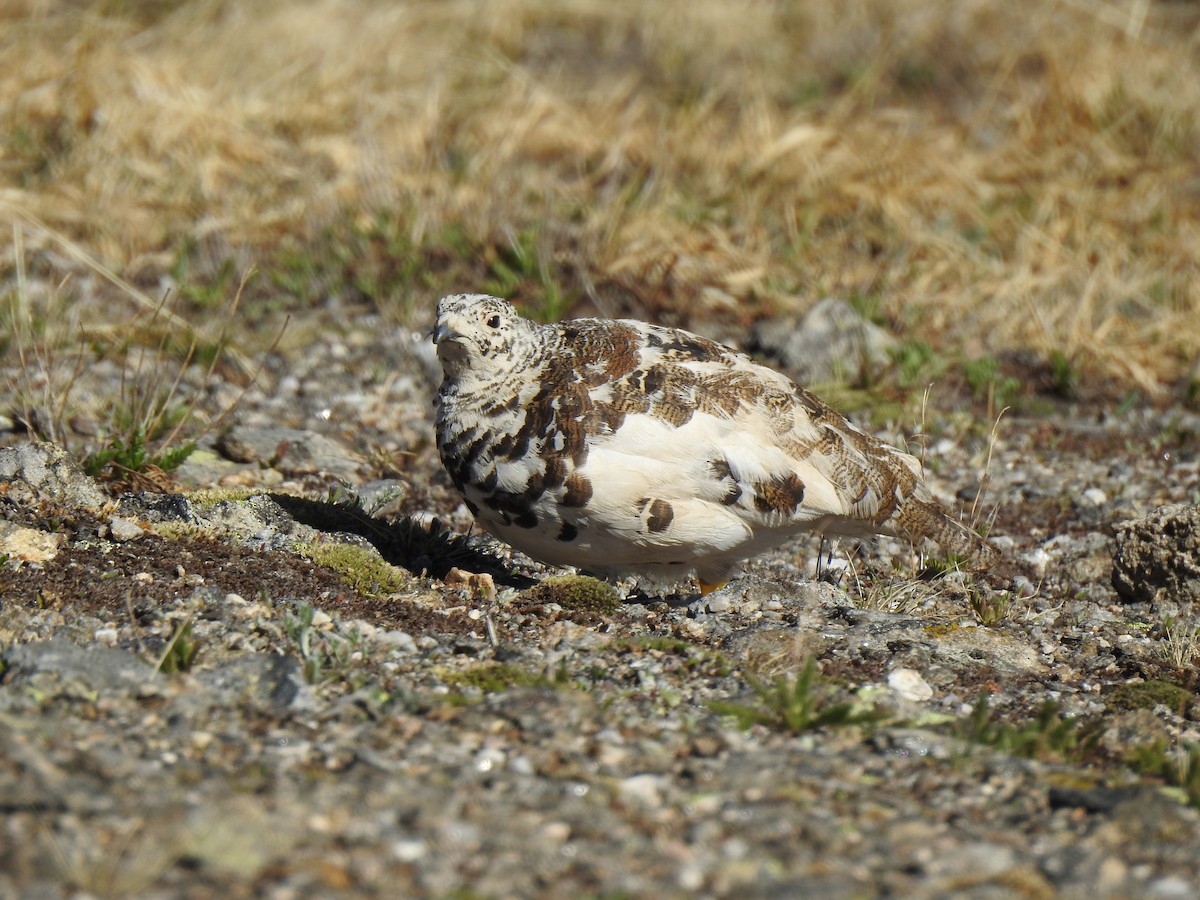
x=267 y=688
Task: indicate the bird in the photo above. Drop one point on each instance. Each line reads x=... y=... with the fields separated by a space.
x=624 y=448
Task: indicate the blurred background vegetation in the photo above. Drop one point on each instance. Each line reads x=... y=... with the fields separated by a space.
x=990 y=179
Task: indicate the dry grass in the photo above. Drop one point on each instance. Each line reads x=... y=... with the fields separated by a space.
x=991 y=175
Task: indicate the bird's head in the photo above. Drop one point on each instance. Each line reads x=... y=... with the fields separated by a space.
x=482 y=336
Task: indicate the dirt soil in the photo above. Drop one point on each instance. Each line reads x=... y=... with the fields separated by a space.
x=269 y=689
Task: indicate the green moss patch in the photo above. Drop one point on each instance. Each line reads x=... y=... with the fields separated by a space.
x=1149 y=694
x=360 y=568
x=576 y=594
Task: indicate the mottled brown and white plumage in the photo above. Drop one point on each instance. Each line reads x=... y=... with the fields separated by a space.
x=627 y=448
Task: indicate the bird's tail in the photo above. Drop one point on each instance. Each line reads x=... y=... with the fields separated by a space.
x=924 y=517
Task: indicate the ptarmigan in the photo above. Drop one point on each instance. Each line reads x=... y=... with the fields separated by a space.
x=632 y=449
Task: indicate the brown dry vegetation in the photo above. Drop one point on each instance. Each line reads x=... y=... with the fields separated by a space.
x=984 y=175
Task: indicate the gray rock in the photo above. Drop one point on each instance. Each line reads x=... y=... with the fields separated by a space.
x=979 y=860
x=98 y=668
x=292 y=451
x=1157 y=558
x=831 y=343
x=156 y=507
x=262 y=679
x=50 y=473
x=208 y=467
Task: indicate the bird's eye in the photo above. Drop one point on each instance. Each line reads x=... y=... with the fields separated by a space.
x=493 y=322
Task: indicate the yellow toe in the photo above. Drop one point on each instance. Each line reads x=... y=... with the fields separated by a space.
x=707 y=587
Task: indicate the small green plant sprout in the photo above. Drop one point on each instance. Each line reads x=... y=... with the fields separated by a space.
x=986 y=383
x=1177 y=767
x=793 y=704
x=206 y=290
x=180 y=651
x=325 y=657
x=1065 y=373
x=902 y=598
x=299 y=627
x=1049 y=735
x=990 y=607
x=127 y=455
x=917 y=361
x=150 y=427
x=519 y=268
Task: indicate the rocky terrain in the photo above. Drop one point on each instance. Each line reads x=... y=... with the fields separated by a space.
x=287 y=671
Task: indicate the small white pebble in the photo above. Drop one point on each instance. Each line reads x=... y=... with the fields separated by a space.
x=409 y=850
x=555 y=832
x=1095 y=497
x=1037 y=559
x=909 y=684
x=489 y=759
x=521 y=765
x=106 y=636
x=691 y=876
x=1171 y=887
x=717 y=605
x=735 y=848
x=643 y=790
x=124 y=529
x=401 y=640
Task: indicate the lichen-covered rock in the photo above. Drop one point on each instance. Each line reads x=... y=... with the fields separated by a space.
x=28 y=544
x=1158 y=558
x=49 y=473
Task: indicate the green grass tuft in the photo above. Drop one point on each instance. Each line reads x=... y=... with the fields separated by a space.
x=1177 y=767
x=180 y=652
x=1046 y=736
x=129 y=454
x=793 y=704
